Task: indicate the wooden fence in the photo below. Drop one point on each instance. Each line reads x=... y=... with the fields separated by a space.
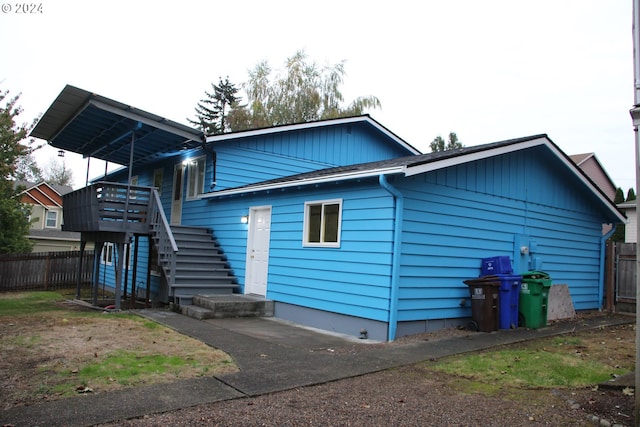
x=44 y=271
x=625 y=271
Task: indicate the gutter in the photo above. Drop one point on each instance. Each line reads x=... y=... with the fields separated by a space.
x=602 y=278
x=397 y=244
x=279 y=185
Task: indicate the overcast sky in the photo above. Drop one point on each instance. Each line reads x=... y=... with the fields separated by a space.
x=487 y=70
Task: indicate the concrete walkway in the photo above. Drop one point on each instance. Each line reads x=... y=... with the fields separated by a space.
x=272 y=356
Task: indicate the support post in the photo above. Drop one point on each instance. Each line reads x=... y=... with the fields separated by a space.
x=83 y=245
x=97 y=253
x=135 y=271
x=119 y=267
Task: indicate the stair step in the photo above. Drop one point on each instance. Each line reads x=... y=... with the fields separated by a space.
x=197 y=245
x=200 y=266
x=190 y=252
x=226 y=306
x=195 y=311
x=201 y=282
x=202 y=271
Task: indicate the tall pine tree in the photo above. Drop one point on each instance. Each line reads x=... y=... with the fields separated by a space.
x=618 y=235
x=631 y=195
x=211 y=112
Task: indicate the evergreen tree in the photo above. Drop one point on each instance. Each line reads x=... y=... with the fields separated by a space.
x=618 y=235
x=211 y=112
x=14 y=216
x=438 y=143
x=619 y=197
x=631 y=195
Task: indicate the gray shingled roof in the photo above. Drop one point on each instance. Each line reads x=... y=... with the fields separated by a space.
x=407 y=161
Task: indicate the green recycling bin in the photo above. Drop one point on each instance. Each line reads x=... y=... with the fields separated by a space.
x=534 y=296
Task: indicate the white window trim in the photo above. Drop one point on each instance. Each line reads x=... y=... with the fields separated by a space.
x=46 y=218
x=106 y=256
x=305 y=231
x=191 y=169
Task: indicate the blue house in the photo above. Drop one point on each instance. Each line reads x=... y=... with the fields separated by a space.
x=341 y=223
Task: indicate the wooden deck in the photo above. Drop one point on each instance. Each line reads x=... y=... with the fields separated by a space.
x=109 y=207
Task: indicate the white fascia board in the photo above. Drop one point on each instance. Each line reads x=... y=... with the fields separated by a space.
x=428 y=167
x=283 y=128
x=53 y=202
x=310 y=181
x=471 y=157
x=311 y=125
x=37 y=202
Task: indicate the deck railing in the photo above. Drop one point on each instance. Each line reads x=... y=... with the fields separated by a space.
x=163 y=237
x=121 y=208
x=108 y=206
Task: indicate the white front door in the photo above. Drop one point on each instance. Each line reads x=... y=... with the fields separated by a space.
x=258 y=251
x=176 y=197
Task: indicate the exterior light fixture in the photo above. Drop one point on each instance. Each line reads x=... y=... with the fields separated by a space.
x=244 y=219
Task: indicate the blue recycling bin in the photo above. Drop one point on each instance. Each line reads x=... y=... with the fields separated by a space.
x=496 y=265
x=509 y=296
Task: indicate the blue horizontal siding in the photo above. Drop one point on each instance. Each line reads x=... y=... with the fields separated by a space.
x=455 y=217
x=260 y=158
x=107 y=273
x=352 y=279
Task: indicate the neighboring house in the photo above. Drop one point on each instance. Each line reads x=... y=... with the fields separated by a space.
x=591 y=166
x=46 y=217
x=631 y=225
x=340 y=222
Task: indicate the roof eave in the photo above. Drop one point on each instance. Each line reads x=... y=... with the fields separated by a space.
x=491 y=152
x=304 y=182
x=312 y=125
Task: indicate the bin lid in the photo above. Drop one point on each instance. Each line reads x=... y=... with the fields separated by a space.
x=534 y=274
x=483 y=281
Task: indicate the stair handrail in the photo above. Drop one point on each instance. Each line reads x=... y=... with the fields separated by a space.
x=166 y=243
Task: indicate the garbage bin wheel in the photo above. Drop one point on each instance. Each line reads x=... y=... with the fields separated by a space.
x=521 y=321
x=473 y=325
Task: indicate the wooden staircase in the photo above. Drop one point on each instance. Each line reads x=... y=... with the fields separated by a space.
x=201 y=267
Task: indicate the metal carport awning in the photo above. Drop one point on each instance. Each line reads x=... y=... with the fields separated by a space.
x=94 y=126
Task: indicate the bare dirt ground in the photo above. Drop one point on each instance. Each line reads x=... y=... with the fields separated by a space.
x=418 y=395
x=42 y=354
x=407 y=396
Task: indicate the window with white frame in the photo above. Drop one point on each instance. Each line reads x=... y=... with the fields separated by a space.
x=51 y=220
x=195 y=171
x=106 y=257
x=322 y=223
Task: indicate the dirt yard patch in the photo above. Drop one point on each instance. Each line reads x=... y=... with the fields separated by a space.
x=420 y=395
x=71 y=349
